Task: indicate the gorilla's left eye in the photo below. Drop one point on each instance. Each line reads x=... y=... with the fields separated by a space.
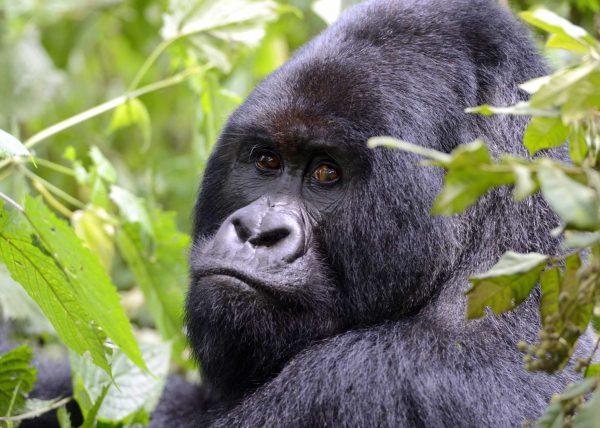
x=325 y=173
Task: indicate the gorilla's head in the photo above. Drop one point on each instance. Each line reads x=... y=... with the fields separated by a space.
x=303 y=232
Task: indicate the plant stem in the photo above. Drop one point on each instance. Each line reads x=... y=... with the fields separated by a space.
x=37 y=412
x=107 y=106
x=55 y=166
x=51 y=187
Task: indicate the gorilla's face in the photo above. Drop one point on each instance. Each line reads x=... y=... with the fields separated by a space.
x=302 y=231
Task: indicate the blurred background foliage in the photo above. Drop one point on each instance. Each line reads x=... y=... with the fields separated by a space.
x=126 y=179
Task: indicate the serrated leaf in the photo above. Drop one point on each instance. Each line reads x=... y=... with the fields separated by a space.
x=575 y=203
x=64 y=282
x=16 y=379
x=94 y=287
x=10 y=146
x=132 y=390
x=545 y=133
x=506 y=285
x=46 y=283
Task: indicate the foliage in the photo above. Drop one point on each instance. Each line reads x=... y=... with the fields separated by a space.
x=565 y=109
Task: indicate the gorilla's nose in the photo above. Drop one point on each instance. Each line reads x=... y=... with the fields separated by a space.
x=274 y=229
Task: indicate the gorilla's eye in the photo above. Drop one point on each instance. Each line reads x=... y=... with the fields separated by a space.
x=268 y=161
x=325 y=174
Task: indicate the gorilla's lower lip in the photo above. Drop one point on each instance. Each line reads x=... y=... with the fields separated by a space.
x=245 y=281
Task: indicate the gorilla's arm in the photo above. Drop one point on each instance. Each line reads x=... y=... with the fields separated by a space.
x=406 y=374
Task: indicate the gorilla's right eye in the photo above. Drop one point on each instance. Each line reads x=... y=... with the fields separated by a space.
x=268 y=161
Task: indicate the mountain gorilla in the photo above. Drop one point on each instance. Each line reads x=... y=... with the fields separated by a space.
x=323 y=293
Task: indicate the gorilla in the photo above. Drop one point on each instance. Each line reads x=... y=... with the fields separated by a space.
x=322 y=292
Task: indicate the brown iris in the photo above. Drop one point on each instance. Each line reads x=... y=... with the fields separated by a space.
x=325 y=174
x=268 y=162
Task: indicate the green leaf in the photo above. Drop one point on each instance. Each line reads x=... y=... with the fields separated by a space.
x=16 y=304
x=557 y=89
x=213 y=26
x=593 y=370
x=578 y=148
x=132 y=390
x=575 y=239
x=133 y=112
x=16 y=379
x=92 y=225
x=10 y=146
x=556 y=25
x=550 y=281
x=506 y=285
x=131 y=208
x=103 y=166
x=520 y=109
x=91 y=416
x=589 y=414
x=575 y=203
x=525 y=185
x=160 y=270
x=94 y=287
x=64 y=418
x=469 y=177
x=45 y=281
x=67 y=281
x=552 y=417
x=545 y=133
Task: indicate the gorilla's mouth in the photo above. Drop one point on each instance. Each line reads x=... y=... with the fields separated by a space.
x=237 y=279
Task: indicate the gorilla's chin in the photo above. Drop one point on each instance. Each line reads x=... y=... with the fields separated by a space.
x=241 y=335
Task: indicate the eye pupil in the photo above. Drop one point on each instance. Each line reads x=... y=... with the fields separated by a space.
x=325 y=174
x=268 y=162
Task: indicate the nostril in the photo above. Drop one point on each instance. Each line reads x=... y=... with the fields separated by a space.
x=241 y=230
x=270 y=237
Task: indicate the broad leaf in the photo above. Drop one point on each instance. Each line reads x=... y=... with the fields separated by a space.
x=575 y=203
x=506 y=285
x=45 y=281
x=545 y=133
x=132 y=390
x=550 y=284
x=556 y=25
x=16 y=379
x=10 y=146
x=589 y=414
